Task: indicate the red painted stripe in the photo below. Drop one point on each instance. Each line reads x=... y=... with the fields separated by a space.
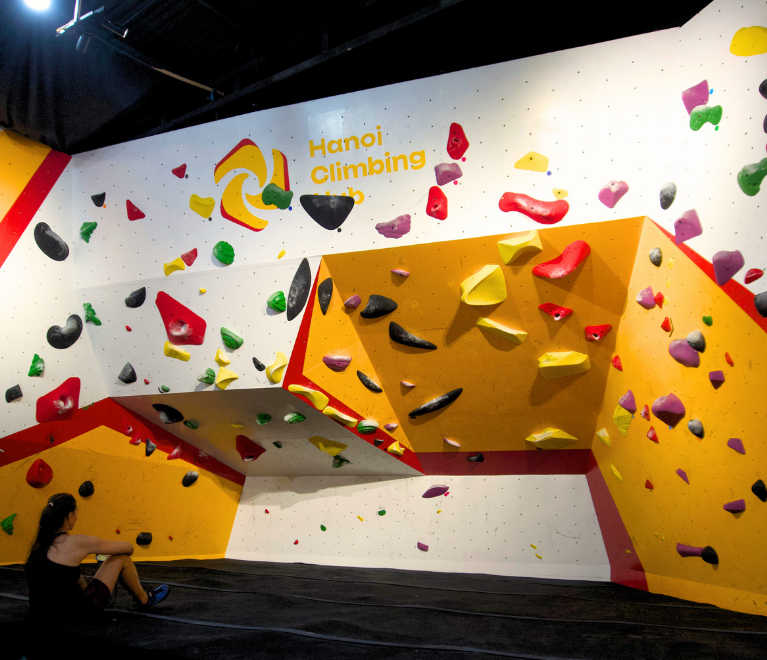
x=545 y=461
x=625 y=569
x=29 y=201
x=740 y=295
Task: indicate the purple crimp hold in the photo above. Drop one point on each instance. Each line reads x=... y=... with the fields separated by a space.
x=716 y=378
x=687 y=226
x=627 y=402
x=396 y=228
x=695 y=96
x=683 y=475
x=726 y=264
x=391 y=426
x=646 y=298
x=435 y=491
x=447 y=172
x=688 y=550
x=353 y=302
x=336 y=362
x=737 y=445
x=683 y=353
x=612 y=192
x=735 y=506
x=423 y=546
x=668 y=409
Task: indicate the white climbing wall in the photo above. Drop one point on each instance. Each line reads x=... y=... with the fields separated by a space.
x=486 y=525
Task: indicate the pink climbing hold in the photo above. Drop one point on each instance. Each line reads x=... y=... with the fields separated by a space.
x=687 y=226
x=652 y=435
x=565 y=263
x=737 y=445
x=628 y=402
x=612 y=192
x=353 y=302
x=406 y=383
x=435 y=491
x=189 y=257
x=736 y=506
x=447 y=172
x=645 y=412
x=683 y=476
x=396 y=228
x=401 y=272
x=716 y=378
x=669 y=409
x=337 y=363
x=646 y=299
x=695 y=96
x=179 y=171
x=726 y=264
x=683 y=353
x=422 y=546
x=391 y=426
x=134 y=212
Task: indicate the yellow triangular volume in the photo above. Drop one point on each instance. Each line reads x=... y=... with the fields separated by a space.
x=622 y=419
x=565 y=363
x=487 y=287
x=533 y=161
x=511 y=248
x=337 y=415
x=551 y=439
x=516 y=336
x=317 y=399
x=604 y=436
x=396 y=448
x=178 y=353
x=225 y=377
x=328 y=446
x=614 y=470
x=221 y=359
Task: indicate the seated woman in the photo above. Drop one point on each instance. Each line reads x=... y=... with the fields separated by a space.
x=56 y=588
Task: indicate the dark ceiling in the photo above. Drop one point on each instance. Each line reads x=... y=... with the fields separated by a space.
x=263 y=54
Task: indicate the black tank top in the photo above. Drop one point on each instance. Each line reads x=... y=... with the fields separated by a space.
x=54 y=590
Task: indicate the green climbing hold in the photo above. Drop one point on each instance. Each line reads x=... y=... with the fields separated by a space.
x=273 y=194
x=262 y=419
x=277 y=301
x=208 y=377
x=367 y=426
x=90 y=314
x=7 y=524
x=294 y=418
x=223 y=252
x=382 y=512
x=87 y=229
x=339 y=461
x=702 y=114
x=230 y=339
x=192 y=424
x=164 y=389
x=323 y=528
x=277 y=444
x=751 y=176
x=708 y=320
x=37 y=367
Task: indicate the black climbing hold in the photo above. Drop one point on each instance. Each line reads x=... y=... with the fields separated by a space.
x=369 y=383
x=656 y=257
x=760 y=302
x=258 y=364
x=377 y=441
x=300 y=288
x=189 y=478
x=667 y=195
x=145 y=538
x=86 y=489
x=709 y=555
x=137 y=298
x=99 y=199
x=436 y=404
x=168 y=414
x=760 y=490
x=277 y=444
x=763 y=88
x=696 y=427
x=59 y=337
x=324 y=293
x=399 y=335
x=328 y=211
x=764 y=124
x=477 y=458
x=150 y=447
x=50 y=242
x=128 y=374
x=13 y=393
x=378 y=306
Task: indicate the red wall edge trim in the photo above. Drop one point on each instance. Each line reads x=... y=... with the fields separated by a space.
x=546 y=461
x=625 y=569
x=29 y=201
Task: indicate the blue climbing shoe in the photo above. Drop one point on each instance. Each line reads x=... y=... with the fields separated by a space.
x=156 y=595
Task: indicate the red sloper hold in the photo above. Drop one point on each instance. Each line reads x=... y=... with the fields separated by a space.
x=645 y=412
x=39 y=474
x=547 y=213
x=565 y=263
x=59 y=404
x=134 y=212
x=648 y=485
x=179 y=171
x=596 y=332
x=248 y=449
x=436 y=205
x=618 y=364
x=666 y=325
x=652 y=435
x=752 y=275
x=555 y=311
x=189 y=257
x=457 y=144
x=659 y=298
x=182 y=325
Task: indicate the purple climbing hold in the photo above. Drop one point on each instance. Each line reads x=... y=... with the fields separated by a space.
x=353 y=302
x=726 y=264
x=391 y=426
x=447 y=172
x=435 y=491
x=612 y=192
x=627 y=402
x=737 y=445
x=736 y=506
x=668 y=409
x=646 y=298
x=687 y=226
x=336 y=362
x=683 y=353
x=695 y=96
x=396 y=228
x=683 y=475
x=707 y=554
x=422 y=546
x=716 y=378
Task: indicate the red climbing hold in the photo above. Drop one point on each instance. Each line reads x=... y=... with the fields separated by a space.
x=135 y=440
x=117 y=531
x=659 y=298
x=247 y=449
x=653 y=435
x=134 y=212
x=295 y=542
x=182 y=325
x=436 y=205
x=146 y=381
x=179 y=171
x=457 y=144
x=176 y=453
x=596 y=332
x=547 y=213
x=618 y=364
x=189 y=257
x=666 y=325
x=645 y=412
x=59 y=404
x=729 y=359
x=128 y=328
x=39 y=474
x=266 y=510
x=752 y=275
x=555 y=311
x=648 y=485
x=201 y=458
x=170 y=538
x=565 y=263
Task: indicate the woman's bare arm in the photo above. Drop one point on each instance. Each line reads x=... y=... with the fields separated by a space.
x=93 y=545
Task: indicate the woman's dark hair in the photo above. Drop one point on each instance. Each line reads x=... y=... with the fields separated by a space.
x=52 y=519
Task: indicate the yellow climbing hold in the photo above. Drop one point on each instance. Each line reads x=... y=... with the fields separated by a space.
x=604 y=436
x=487 y=287
x=668 y=282
x=173 y=266
x=337 y=415
x=317 y=399
x=396 y=448
x=533 y=546
x=515 y=336
x=670 y=263
x=221 y=358
x=203 y=290
x=628 y=552
x=202 y=206
x=533 y=161
x=225 y=377
x=328 y=446
x=274 y=370
x=361 y=518
x=566 y=363
x=559 y=193
x=551 y=439
x=617 y=474
x=178 y=353
x=537 y=555
x=749 y=41
x=511 y=248
x=439 y=510
x=281 y=254
x=237 y=426
x=622 y=419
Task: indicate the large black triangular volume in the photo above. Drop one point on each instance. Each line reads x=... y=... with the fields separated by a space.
x=324 y=294
x=378 y=306
x=328 y=211
x=399 y=335
x=99 y=199
x=300 y=288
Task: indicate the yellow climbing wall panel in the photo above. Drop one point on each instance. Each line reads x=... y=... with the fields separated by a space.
x=133 y=493
x=675 y=512
x=19 y=159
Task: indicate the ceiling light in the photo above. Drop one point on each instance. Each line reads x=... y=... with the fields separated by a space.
x=38 y=5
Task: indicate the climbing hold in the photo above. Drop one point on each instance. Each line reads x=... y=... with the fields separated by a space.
x=86 y=489
x=223 y=252
x=369 y=383
x=361 y=518
x=452 y=443
x=511 y=248
x=533 y=161
x=760 y=490
x=324 y=294
x=136 y=299
x=737 y=506
x=656 y=256
x=294 y=418
x=652 y=435
x=192 y=424
x=353 y=302
x=667 y=196
x=178 y=353
x=274 y=370
x=13 y=393
x=225 y=378
x=628 y=402
x=163 y=389
x=646 y=298
x=127 y=374
x=145 y=538
x=39 y=474
x=648 y=485
x=728 y=359
x=457 y=143
x=50 y=243
x=551 y=438
x=622 y=419
x=391 y=426
x=338 y=416
x=173 y=266
x=708 y=320
x=564 y=363
x=339 y=461
x=683 y=475
x=273 y=195
x=612 y=192
x=230 y=339
x=189 y=257
x=559 y=193
x=378 y=306
x=760 y=302
x=726 y=264
x=695 y=96
x=514 y=336
x=546 y=213
x=328 y=211
x=406 y=383
x=555 y=311
x=604 y=436
x=703 y=113
x=330 y=447
x=377 y=441
x=683 y=353
x=696 y=427
x=221 y=358
x=86 y=229
x=323 y=528
x=476 y=458
x=697 y=340
x=295 y=542
x=436 y=404
x=617 y=474
x=258 y=364
x=189 y=478
x=752 y=275
x=7 y=524
x=182 y=325
x=401 y=272
x=134 y=212
x=90 y=314
x=98 y=200
x=749 y=41
x=707 y=554
x=436 y=204
x=396 y=228
x=687 y=226
x=659 y=299
x=447 y=172
x=317 y=399
x=299 y=291
x=60 y=403
x=668 y=409
x=277 y=301
x=737 y=445
x=209 y=377
x=262 y=419
x=37 y=367
x=248 y=450
x=565 y=263
x=716 y=378
x=422 y=546
x=667 y=325
x=399 y=335
x=487 y=287
x=596 y=332
x=168 y=414
x=435 y=491
x=179 y=171
x=367 y=426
